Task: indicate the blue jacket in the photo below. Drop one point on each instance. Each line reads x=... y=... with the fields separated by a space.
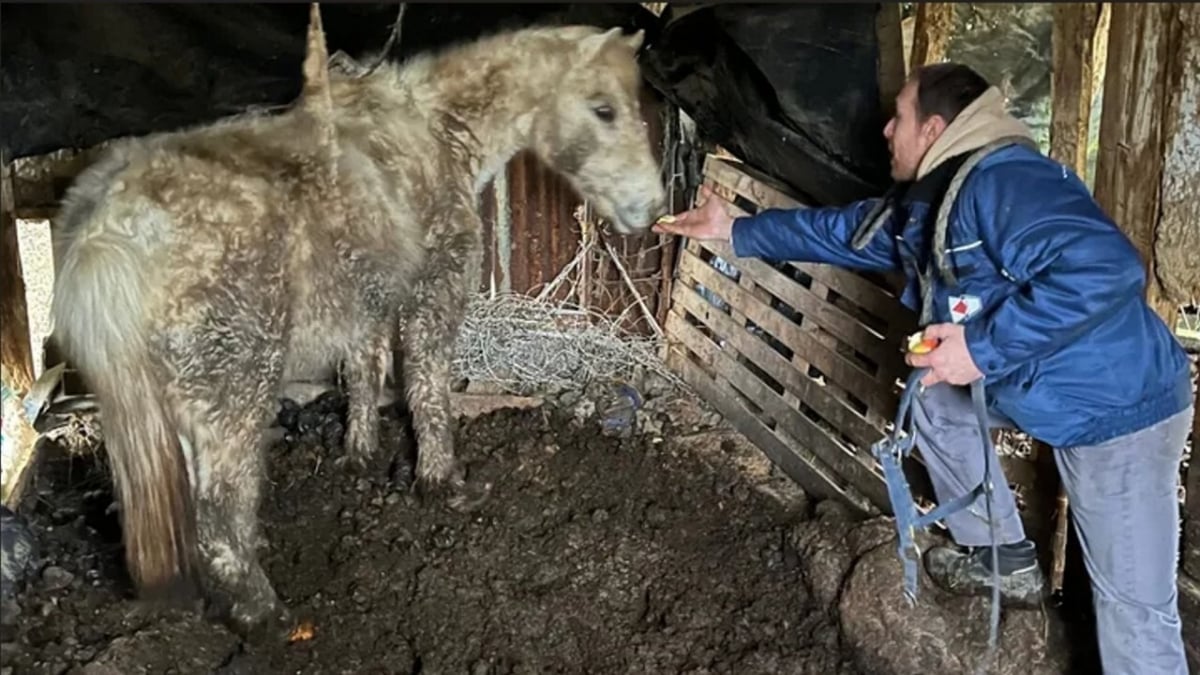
x=1069 y=349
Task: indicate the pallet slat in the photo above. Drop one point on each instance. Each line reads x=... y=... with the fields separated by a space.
x=818 y=448
x=796 y=467
x=866 y=294
x=746 y=182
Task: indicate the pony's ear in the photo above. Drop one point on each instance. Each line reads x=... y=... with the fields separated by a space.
x=592 y=45
x=635 y=41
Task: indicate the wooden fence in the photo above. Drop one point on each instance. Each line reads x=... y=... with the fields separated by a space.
x=803 y=359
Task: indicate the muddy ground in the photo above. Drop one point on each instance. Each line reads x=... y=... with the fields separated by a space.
x=668 y=551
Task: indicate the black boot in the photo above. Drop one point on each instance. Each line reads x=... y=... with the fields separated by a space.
x=968 y=571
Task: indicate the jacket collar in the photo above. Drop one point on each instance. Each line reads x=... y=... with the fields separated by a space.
x=983 y=121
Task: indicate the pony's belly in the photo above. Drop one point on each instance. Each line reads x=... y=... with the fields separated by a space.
x=314 y=350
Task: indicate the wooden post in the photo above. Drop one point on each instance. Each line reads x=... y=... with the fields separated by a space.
x=1180 y=227
x=1129 y=167
x=1189 y=550
x=1146 y=179
x=1073 y=43
x=1190 y=547
x=931 y=33
x=892 y=66
x=1177 y=237
x=1179 y=232
x=16 y=355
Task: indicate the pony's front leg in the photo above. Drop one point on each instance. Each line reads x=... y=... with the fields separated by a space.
x=366 y=369
x=431 y=328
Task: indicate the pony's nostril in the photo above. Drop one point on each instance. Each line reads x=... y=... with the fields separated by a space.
x=654 y=208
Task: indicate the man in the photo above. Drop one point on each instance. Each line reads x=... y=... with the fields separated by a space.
x=1036 y=291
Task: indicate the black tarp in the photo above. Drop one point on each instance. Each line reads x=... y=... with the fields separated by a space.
x=73 y=75
x=789 y=88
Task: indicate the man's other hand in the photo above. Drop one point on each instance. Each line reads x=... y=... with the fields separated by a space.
x=950 y=361
x=709 y=220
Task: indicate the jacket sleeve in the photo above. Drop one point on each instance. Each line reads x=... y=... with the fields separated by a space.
x=818 y=235
x=1071 y=263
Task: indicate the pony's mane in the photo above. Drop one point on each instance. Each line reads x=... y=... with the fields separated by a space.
x=417 y=67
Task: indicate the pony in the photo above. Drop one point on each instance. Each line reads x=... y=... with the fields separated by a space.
x=199 y=269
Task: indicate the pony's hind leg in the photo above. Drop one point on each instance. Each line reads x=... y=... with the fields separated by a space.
x=224 y=397
x=229 y=459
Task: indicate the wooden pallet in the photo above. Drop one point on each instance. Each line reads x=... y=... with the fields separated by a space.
x=803 y=359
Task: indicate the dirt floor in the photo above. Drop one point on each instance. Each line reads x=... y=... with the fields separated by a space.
x=667 y=551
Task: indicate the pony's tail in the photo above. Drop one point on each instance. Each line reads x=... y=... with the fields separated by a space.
x=98 y=315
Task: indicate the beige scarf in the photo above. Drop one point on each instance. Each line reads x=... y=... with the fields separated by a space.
x=980 y=123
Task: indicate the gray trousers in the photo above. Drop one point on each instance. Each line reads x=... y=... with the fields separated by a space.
x=1125 y=506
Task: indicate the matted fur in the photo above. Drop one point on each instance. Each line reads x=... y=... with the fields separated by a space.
x=199 y=269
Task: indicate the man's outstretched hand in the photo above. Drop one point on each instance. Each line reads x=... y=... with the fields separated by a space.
x=709 y=220
x=950 y=361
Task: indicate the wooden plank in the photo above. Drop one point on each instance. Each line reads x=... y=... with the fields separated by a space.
x=809 y=477
x=832 y=409
x=16 y=355
x=931 y=33
x=1129 y=165
x=41 y=181
x=835 y=367
x=36 y=212
x=820 y=311
x=875 y=299
x=818 y=446
x=749 y=183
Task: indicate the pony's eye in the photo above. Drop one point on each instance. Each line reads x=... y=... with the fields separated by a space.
x=605 y=112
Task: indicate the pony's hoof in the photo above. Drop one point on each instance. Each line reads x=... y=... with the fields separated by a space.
x=468 y=497
x=454 y=492
x=253 y=622
x=261 y=627
x=440 y=485
x=361 y=466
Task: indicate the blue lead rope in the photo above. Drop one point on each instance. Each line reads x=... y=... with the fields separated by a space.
x=891 y=451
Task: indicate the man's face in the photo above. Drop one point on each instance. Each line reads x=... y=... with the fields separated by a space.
x=908 y=137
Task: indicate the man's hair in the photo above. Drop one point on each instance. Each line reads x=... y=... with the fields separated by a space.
x=945 y=89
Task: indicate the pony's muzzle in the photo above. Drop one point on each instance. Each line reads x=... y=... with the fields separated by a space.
x=639 y=217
